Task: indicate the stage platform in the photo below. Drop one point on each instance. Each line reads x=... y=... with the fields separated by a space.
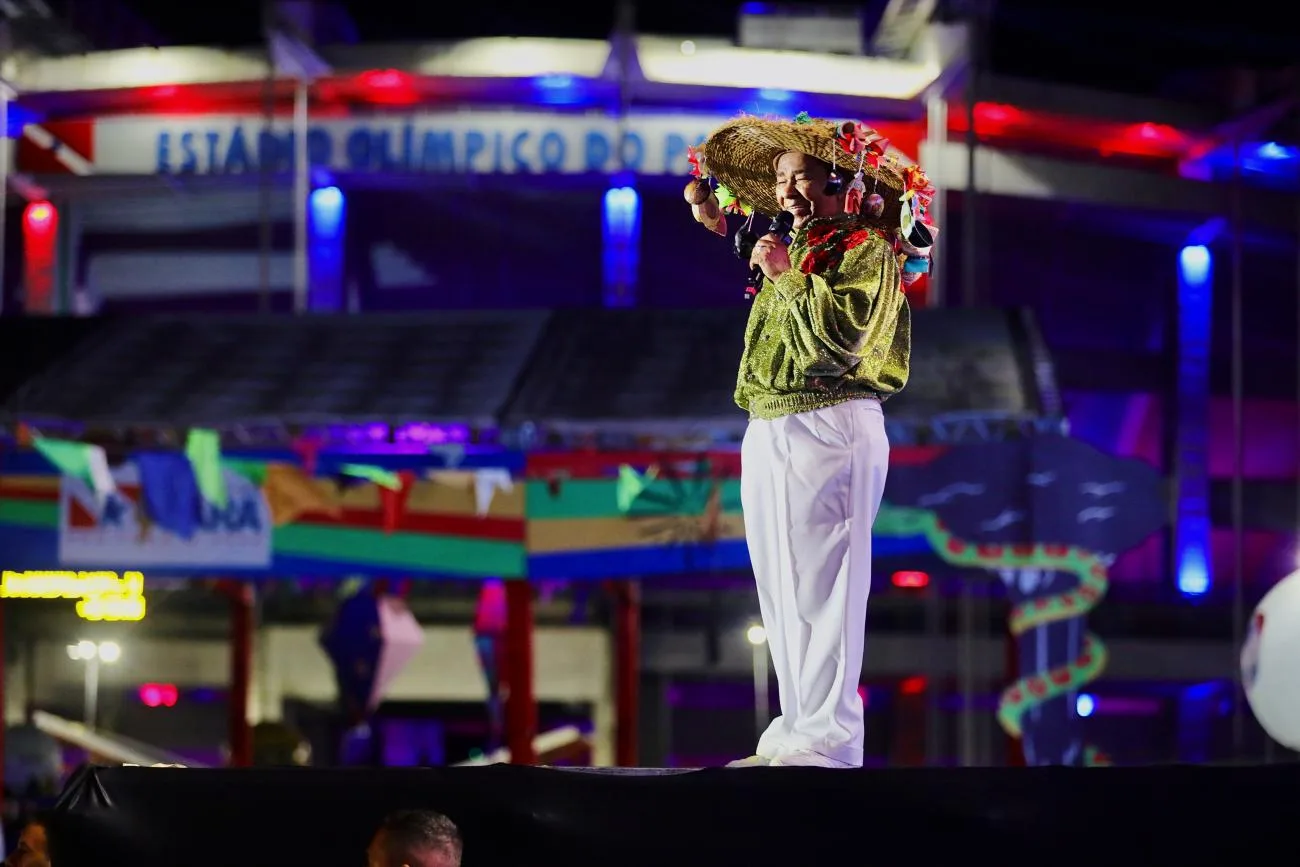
x=175 y=817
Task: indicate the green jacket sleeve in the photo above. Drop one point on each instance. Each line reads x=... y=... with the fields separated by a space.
x=832 y=320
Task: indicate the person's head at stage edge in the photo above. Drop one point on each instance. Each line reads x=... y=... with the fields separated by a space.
x=33 y=849
x=802 y=190
x=416 y=838
x=815 y=170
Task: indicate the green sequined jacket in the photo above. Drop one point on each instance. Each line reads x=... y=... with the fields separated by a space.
x=835 y=327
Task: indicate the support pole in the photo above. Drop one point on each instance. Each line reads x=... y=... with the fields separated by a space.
x=936 y=673
x=1238 y=457
x=241 y=672
x=5 y=96
x=90 y=696
x=265 y=180
x=936 y=135
x=521 y=705
x=966 y=672
x=1015 y=746
x=762 y=697
x=301 y=180
x=970 y=297
x=627 y=672
x=970 y=198
x=3 y=723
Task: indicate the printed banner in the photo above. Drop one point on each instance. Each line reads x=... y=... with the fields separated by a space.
x=113 y=531
x=432 y=143
x=468 y=142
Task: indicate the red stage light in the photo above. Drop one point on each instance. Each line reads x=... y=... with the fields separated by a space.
x=38 y=215
x=384 y=79
x=1154 y=132
x=996 y=113
x=158 y=694
x=911 y=580
x=388 y=87
x=912 y=686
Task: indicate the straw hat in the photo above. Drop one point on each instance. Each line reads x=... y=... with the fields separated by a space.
x=741 y=156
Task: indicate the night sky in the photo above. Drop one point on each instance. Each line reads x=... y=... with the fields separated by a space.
x=1118 y=46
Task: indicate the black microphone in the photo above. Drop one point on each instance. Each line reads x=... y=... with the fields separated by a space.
x=782 y=223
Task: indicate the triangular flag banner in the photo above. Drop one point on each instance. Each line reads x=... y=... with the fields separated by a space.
x=254 y=471
x=489 y=657
x=462 y=479
x=344 y=483
x=203 y=448
x=308 y=450
x=486 y=484
x=87 y=463
x=451 y=453
x=402 y=637
x=350 y=587
x=490 y=614
x=631 y=484
x=394 y=501
x=489 y=628
x=371 y=639
x=169 y=493
x=380 y=476
x=290 y=494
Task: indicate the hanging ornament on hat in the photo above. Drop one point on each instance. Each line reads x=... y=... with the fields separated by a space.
x=853 y=201
x=697 y=191
x=916 y=234
x=699 y=194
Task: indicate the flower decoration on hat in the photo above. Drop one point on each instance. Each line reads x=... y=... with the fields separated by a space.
x=858 y=138
x=693 y=157
x=730 y=204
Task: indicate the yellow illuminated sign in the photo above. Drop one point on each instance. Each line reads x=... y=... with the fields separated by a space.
x=99 y=595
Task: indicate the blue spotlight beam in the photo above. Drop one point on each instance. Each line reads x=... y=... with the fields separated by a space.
x=326 y=222
x=1192 y=453
x=621 y=252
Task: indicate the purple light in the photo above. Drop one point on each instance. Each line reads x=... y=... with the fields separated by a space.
x=432 y=434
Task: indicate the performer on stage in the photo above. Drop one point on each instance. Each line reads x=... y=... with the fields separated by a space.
x=828 y=341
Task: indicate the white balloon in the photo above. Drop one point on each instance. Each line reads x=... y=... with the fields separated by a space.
x=1270 y=662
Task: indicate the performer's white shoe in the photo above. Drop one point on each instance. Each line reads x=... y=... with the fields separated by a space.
x=751 y=762
x=808 y=759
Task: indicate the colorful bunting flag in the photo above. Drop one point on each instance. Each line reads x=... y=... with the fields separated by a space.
x=308 y=451
x=394 y=501
x=254 y=471
x=452 y=454
x=290 y=493
x=169 y=493
x=486 y=484
x=203 y=448
x=380 y=476
x=631 y=484
x=81 y=461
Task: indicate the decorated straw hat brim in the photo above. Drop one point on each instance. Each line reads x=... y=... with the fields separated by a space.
x=742 y=153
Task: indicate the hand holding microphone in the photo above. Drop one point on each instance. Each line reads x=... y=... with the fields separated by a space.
x=767 y=256
x=770 y=257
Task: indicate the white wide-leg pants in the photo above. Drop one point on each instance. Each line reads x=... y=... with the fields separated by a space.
x=811 y=486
